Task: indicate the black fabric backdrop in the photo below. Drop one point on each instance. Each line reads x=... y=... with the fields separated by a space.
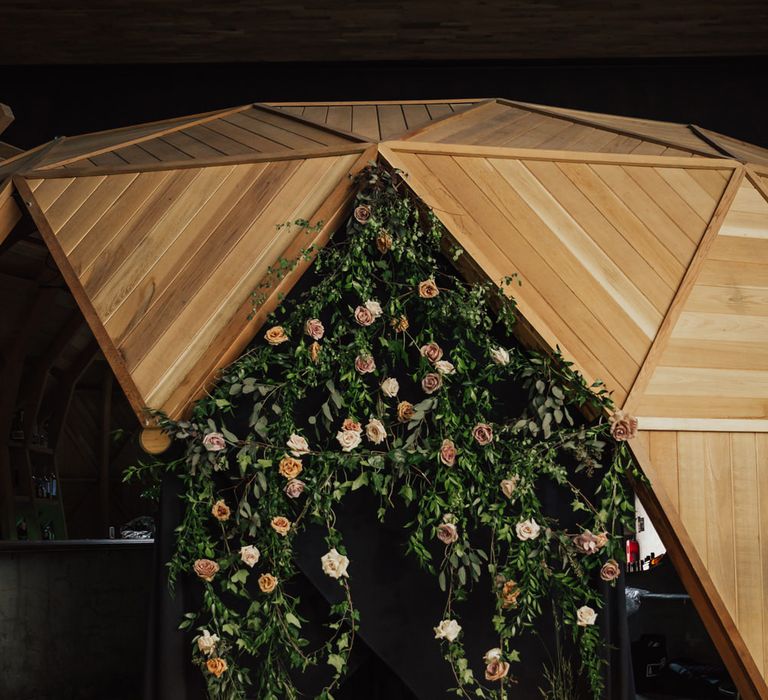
x=399 y=605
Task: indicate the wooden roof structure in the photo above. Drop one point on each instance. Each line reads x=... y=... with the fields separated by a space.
x=642 y=248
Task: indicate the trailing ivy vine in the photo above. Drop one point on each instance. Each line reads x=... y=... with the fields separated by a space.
x=390 y=373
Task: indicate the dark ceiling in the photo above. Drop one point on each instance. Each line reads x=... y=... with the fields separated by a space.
x=210 y=31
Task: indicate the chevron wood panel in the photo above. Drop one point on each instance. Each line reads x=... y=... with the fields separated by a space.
x=715 y=364
x=166 y=261
x=600 y=249
x=718 y=483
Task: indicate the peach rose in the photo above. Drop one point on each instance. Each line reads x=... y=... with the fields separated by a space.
x=428 y=289
x=384 y=242
x=297 y=445
x=249 y=555
x=365 y=364
x=280 y=525
x=431 y=382
x=362 y=214
x=314 y=328
x=447 y=533
x=509 y=594
x=314 y=351
x=585 y=542
x=602 y=539
x=431 y=351
x=405 y=411
x=623 y=426
x=290 y=467
x=448 y=453
x=375 y=431
x=496 y=670
x=214 y=442
x=205 y=569
x=400 y=324
x=267 y=583
x=216 y=666
x=363 y=316
x=350 y=424
x=221 y=510
x=483 y=434
x=294 y=488
x=348 y=439
x=508 y=486
x=610 y=571
x=585 y=616
x=390 y=387
x=276 y=335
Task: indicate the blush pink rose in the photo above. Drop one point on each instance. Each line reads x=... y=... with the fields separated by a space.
x=365 y=364
x=448 y=453
x=431 y=382
x=623 y=426
x=610 y=571
x=432 y=352
x=447 y=533
x=206 y=569
x=483 y=434
x=294 y=488
x=363 y=316
x=214 y=442
x=314 y=328
x=586 y=542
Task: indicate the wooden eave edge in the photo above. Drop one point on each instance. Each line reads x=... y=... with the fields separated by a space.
x=6 y=117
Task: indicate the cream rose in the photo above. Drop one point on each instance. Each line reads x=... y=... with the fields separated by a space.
x=348 y=439
x=492 y=655
x=365 y=364
x=314 y=328
x=445 y=367
x=294 y=488
x=281 y=525
x=508 y=486
x=448 y=453
x=207 y=643
x=528 y=529
x=334 y=564
x=610 y=571
x=431 y=351
x=623 y=426
x=375 y=431
x=221 y=510
x=496 y=670
x=483 y=433
x=276 y=335
x=447 y=533
x=431 y=382
x=363 y=316
x=205 y=569
x=267 y=583
x=297 y=445
x=500 y=356
x=405 y=411
x=216 y=667
x=428 y=289
x=290 y=467
x=214 y=442
x=585 y=616
x=374 y=307
x=448 y=630
x=390 y=387
x=249 y=555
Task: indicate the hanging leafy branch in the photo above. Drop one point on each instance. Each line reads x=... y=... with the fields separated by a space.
x=391 y=373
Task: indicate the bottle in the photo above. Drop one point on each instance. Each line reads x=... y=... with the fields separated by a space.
x=633 y=554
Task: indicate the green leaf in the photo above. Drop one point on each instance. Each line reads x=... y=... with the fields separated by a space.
x=337 y=662
x=291 y=619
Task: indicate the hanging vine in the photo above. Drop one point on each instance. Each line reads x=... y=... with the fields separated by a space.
x=390 y=374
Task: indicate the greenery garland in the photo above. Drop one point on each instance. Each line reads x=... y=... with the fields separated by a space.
x=389 y=374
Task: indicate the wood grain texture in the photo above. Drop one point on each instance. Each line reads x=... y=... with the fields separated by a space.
x=709 y=361
x=600 y=249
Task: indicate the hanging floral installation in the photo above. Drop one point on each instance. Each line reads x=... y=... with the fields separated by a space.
x=390 y=374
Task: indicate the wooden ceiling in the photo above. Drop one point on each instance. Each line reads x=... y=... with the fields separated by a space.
x=173 y=31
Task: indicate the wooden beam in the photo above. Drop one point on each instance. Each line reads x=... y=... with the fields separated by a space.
x=239 y=159
x=6 y=117
x=684 y=289
x=374 y=103
x=450 y=149
x=711 y=425
x=695 y=577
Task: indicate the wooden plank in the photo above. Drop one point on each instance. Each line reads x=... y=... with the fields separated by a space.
x=740 y=249
x=663 y=453
x=365 y=121
x=391 y=120
x=264 y=140
x=721 y=327
x=273 y=128
x=708 y=382
x=331 y=134
x=65 y=206
x=720 y=354
x=692 y=504
x=686 y=286
x=190 y=146
x=438 y=129
x=761 y=450
x=340 y=117
x=719 y=273
x=747 y=551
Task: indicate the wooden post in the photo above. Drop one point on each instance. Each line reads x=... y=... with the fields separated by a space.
x=104 y=461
